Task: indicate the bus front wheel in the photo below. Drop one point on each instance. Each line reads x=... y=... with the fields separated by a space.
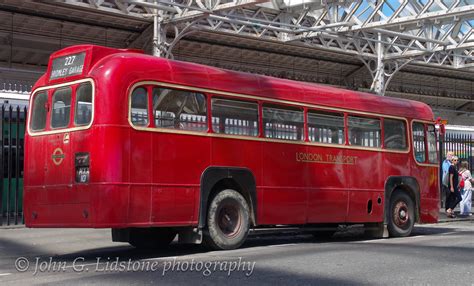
x=402 y=215
x=151 y=238
x=227 y=221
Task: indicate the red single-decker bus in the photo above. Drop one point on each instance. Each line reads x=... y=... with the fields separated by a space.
x=152 y=148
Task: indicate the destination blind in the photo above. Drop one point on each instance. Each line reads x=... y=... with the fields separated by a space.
x=67 y=66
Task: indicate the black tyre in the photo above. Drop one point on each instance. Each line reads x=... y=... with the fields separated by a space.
x=151 y=238
x=227 y=221
x=401 y=215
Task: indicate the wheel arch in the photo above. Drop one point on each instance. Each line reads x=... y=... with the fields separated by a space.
x=405 y=184
x=214 y=179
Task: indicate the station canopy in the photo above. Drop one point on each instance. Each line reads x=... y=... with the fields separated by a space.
x=438 y=32
x=432 y=41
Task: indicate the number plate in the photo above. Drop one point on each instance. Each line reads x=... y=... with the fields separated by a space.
x=81 y=162
x=82 y=174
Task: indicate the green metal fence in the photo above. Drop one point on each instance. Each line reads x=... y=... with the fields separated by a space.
x=11 y=159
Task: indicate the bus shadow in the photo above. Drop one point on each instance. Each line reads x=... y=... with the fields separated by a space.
x=175 y=250
x=124 y=251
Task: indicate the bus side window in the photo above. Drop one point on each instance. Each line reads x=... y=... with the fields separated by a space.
x=83 y=113
x=39 y=111
x=139 y=107
x=365 y=132
x=234 y=117
x=419 y=142
x=282 y=122
x=179 y=109
x=432 y=152
x=394 y=134
x=325 y=127
x=60 y=114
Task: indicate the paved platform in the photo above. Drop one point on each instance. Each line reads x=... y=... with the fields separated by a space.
x=444 y=218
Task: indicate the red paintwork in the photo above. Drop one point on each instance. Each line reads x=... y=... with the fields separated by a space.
x=143 y=178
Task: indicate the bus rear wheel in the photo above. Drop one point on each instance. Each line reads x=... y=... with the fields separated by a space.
x=151 y=238
x=401 y=215
x=227 y=221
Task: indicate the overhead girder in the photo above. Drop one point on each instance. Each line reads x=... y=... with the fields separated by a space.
x=411 y=28
x=172 y=10
x=430 y=32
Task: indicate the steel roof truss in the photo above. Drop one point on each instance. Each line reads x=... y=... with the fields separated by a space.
x=433 y=32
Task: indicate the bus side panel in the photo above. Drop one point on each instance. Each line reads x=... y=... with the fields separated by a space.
x=245 y=154
x=35 y=162
x=395 y=164
x=326 y=184
x=57 y=215
x=110 y=207
x=365 y=182
x=173 y=205
x=178 y=160
x=110 y=159
x=59 y=170
x=34 y=165
x=429 y=193
x=109 y=172
x=285 y=196
x=139 y=204
x=89 y=206
x=51 y=198
x=364 y=206
x=140 y=170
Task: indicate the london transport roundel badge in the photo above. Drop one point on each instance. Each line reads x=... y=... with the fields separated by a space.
x=58 y=156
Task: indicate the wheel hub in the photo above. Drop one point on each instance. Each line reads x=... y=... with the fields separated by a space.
x=229 y=220
x=400 y=214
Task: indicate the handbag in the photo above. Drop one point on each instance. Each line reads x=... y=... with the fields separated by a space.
x=445 y=180
x=461 y=181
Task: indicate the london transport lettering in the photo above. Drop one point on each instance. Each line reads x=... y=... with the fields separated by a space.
x=67 y=66
x=325 y=158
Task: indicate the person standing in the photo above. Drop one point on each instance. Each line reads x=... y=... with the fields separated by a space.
x=445 y=168
x=453 y=197
x=466 y=192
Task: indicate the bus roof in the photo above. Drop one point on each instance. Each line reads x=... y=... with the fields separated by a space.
x=212 y=78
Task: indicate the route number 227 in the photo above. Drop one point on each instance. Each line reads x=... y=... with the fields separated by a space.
x=69 y=60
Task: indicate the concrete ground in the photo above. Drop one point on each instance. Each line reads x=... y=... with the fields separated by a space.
x=444 y=218
x=435 y=254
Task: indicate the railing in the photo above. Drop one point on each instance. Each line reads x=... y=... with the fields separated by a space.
x=15 y=87
x=462 y=145
x=12 y=130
